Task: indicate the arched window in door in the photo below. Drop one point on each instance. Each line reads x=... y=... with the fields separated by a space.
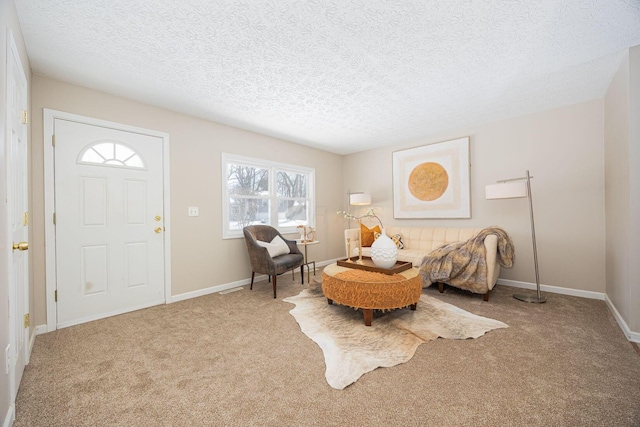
x=110 y=153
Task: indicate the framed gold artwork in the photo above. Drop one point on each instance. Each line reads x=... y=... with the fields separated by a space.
x=432 y=181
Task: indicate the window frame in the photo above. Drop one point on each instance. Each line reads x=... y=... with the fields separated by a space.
x=104 y=163
x=273 y=169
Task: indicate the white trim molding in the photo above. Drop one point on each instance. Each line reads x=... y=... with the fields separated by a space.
x=553 y=289
x=631 y=336
x=11 y=416
x=41 y=329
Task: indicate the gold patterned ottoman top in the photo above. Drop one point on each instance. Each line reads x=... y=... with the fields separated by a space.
x=371 y=290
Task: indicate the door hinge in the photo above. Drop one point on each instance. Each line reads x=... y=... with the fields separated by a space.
x=26 y=320
x=54 y=218
x=55 y=295
x=53 y=140
x=25 y=219
x=25 y=117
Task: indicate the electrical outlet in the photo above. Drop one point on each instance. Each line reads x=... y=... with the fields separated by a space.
x=193 y=211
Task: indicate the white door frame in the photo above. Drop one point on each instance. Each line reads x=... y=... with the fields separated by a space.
x=49 y=203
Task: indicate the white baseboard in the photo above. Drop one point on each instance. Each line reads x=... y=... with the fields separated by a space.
x=11 y=416
x=39 y=330
x=210 y=290
x=552 y=289
x=231 y=285
x=631 y=335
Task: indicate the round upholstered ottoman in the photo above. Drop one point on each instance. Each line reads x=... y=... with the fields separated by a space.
x=368 y=290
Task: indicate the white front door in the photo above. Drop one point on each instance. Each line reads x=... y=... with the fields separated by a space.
x=17 y=207
x=109 y=221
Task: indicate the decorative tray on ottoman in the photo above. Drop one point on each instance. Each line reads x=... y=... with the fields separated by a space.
x=367 y=264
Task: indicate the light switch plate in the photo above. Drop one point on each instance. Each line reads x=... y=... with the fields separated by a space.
x=193 y=211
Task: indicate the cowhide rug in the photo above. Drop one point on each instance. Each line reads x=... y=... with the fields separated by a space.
x=352 y=349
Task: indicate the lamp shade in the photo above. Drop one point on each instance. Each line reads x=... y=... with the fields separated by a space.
x=506 y=190
x=360 y=199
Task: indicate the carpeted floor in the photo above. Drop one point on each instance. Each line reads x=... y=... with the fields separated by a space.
x=240 y=360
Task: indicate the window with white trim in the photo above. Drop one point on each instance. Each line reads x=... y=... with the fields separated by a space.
x=256 y=191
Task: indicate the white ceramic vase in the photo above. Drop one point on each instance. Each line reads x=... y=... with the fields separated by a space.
x=384 y=252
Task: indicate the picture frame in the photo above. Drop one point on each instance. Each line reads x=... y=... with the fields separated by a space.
x=432 y=181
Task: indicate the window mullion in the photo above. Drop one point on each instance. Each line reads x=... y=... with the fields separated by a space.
x=273 y=196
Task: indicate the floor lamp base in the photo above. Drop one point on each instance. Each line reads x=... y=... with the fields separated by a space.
x=530 y=298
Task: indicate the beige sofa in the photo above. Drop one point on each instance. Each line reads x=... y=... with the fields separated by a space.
x=419 y=241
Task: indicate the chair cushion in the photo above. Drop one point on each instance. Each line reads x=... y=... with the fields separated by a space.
x=276 y=247
x=286 y=262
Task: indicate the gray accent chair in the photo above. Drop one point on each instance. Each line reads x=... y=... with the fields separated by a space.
x=261 y=261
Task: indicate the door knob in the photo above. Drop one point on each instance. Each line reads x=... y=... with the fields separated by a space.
x=22 y=246
x=158 y=230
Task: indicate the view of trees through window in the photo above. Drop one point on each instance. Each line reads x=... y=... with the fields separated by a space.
x=252 y=196
x=248 y=190
x=292 y=193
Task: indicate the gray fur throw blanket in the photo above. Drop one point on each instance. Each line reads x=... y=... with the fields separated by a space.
x=463 y=264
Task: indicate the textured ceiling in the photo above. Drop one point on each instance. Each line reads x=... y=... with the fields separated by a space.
x=344 y=76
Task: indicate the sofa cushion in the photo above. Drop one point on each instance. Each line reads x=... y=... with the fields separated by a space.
x=367 y=234
x=397 y=239
x=413 y=256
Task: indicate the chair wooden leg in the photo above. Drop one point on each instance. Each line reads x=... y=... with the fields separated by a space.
x=440 y=287
x=253 y=274
x=302 y=273
x=486 y=296
x=274 y=285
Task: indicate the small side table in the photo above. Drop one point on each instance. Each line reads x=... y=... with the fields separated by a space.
x=306 y=260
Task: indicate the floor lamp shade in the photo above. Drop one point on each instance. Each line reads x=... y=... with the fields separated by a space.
x=506 y=190
x=359 y=199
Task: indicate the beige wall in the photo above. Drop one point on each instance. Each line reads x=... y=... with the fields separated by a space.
x=8 y=22
x=200 y=257
x=563 y=150
x=622 y=183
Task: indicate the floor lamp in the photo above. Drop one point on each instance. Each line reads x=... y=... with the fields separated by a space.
x=357 y=199
x=513 y=188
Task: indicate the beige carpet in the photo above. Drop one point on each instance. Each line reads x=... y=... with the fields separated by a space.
x=240 y=360
x=352 y=349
